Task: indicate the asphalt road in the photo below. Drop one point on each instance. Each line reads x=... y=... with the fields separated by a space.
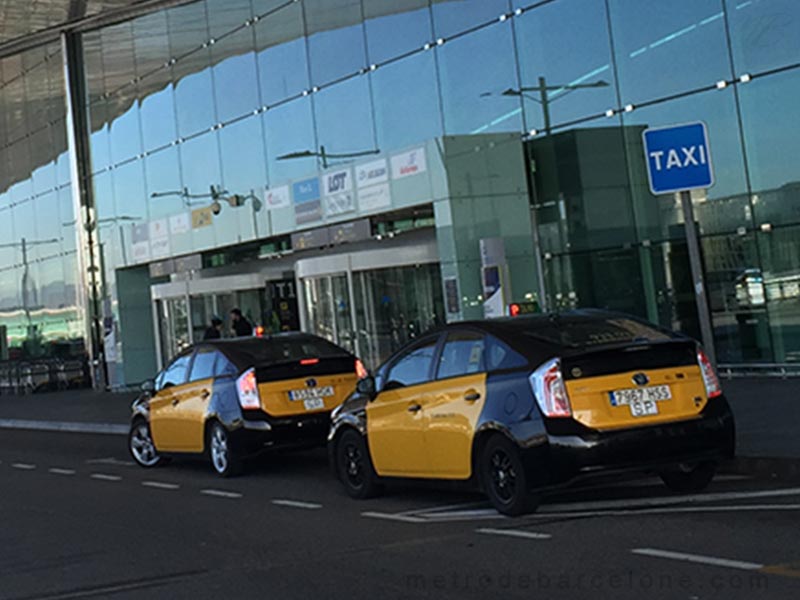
x=79 y=520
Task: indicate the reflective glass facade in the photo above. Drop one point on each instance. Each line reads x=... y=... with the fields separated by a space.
x=224 y=125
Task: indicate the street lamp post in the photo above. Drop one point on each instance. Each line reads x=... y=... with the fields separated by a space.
x=545 y=99
x=324 y=156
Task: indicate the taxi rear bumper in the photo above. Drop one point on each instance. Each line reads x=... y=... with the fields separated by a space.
x=574 y=452
x=260 y=431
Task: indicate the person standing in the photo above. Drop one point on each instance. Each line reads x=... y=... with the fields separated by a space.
x=239 y=324
x=214 y=331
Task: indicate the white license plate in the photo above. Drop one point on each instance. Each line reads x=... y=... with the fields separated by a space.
x=314 y=404
x=311 y=393
x=642 y=401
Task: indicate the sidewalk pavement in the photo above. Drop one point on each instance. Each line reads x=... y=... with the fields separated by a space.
x=767 y=412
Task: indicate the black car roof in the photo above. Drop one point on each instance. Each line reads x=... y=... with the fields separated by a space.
x=238 y=349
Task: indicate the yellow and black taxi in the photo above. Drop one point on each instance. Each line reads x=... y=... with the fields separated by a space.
x=234 y=398
x=523 y=405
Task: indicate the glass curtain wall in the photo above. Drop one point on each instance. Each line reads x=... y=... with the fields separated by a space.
x=39 y=313
x=213 y=95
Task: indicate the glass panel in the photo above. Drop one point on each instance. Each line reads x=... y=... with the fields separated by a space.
x=156 y=93
x=648 y=36
x=344 y=118
x=202 y=309
x=345 y=336
x=406 y=118
x=454 y=17
x=462 y=355
x=233 y=57
x=281 y=47
x=176 y=372
x=764 y=33
x=780 y=256
x=563 y=82
x=335 y=39
x=736 y=294
x=290 y=129
x=395 y=27
x=173 y=327
x=319 y=305
x=772 y=146
x=475 y=70
x=394 y=306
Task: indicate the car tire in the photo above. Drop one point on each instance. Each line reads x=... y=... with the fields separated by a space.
x=221 y=452
x=354 y=466
x=687 y=478
x=504 y=479
x=141 y=445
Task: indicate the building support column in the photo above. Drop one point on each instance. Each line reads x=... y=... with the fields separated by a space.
x=89 y=292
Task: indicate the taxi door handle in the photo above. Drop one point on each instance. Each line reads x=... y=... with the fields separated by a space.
x=414 y=408
x=204 y=394
x=175 y=402
x=471 y=396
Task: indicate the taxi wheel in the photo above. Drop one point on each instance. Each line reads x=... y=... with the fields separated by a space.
x=221 y=452
x=504 y=479
x=689 y=478
x=354 y=466
x=141 y=446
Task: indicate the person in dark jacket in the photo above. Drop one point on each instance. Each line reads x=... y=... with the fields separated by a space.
x=214 y=331
x=239 y=324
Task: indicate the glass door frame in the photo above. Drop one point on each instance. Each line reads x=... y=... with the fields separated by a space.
x=411 y=251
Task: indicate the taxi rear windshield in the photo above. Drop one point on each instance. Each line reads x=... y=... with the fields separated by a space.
x=284 y=349
x=583 y=333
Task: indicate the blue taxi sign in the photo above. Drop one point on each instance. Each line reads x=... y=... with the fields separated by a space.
x=678 y=158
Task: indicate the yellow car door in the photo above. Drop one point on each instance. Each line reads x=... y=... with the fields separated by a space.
x=457 y=399
x=191 y=402
x=396 y=417
x=164 y=424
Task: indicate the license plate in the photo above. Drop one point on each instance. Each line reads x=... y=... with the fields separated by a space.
x=311 y=393
x=641 y=401
x=314 y=404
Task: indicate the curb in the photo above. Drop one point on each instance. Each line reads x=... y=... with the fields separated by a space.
x=775 y=469
x=65 y=427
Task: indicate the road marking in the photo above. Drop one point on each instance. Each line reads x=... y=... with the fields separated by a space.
x=23 y=466
x=160 y=485
x=668 y=500
x=59 y=471
x=111 y=461
x=67 y=427
x=462 y=515
x=392 y=517
x=296 y=504
x=668 y=511
x=696 y=558
x=533 y=535
x=449 y=507
x=221 y=493
x=105 y=477
x=784 y=570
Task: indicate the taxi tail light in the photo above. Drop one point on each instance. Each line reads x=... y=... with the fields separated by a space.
x=361 y=370
x=550 y=391
x=247 y=390
x=710 y=379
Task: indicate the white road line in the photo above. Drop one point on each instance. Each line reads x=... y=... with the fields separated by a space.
x=696 y=558
x=392 y=517
x=462 y=515
x=105 y=477
x=111 y=461
x=668 y=500
x=69 y=427
x=669 y=510
x=59 y=471
x=435 y=509
x=160 y=485
x=221 y=493
x=533 y=535
x=296 y=504
x=23 y=466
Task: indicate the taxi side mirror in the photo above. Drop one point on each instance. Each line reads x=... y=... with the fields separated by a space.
x=366 y=387
x=148 y=386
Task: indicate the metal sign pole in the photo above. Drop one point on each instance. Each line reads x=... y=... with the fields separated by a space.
x=700 y=294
